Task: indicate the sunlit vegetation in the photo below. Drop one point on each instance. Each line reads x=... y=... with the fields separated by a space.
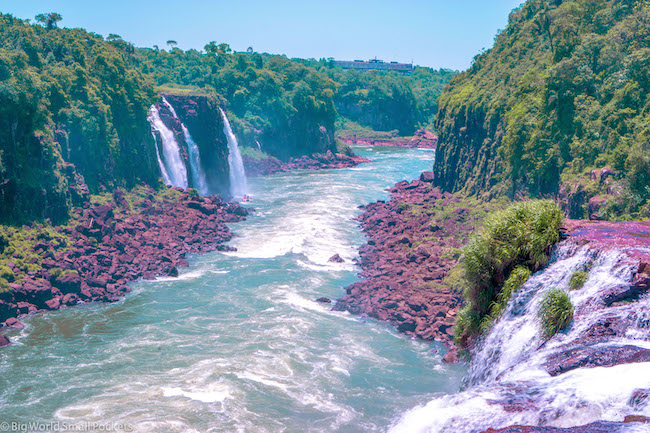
x=563 y=91
x=555 y=311
x=499 y=258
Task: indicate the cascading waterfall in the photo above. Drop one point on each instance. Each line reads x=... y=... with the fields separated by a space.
x=238 y=185
x=171 y=164
x=509 y=382
x=198 y=175
x=259 y=146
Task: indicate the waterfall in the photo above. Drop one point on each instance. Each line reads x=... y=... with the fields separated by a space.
x=259 y=146
x=511 y=380
x=198 y=175
x=171 y=164
x=238 y=185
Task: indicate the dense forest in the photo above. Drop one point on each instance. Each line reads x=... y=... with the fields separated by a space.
x=74 y=108
x=558 y=107
x=280 y=101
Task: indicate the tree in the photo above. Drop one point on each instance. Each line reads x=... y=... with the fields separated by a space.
x=49 y=20
x=172 y=43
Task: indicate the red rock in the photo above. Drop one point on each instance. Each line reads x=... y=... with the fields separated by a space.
x=636 y=418
x=4 y=341
x=12 y=322
x=70 y=283
x=54 y=303
x=336 y=259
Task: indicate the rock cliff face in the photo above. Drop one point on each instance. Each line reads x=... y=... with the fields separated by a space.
x=43 y=174
x=201 y=116
x=536 y=114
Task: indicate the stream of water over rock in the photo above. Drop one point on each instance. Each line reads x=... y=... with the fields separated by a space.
x=237 y=343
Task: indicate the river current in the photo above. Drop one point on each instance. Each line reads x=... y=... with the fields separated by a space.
x=236 y=343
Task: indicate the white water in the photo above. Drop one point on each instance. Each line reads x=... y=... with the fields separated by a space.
x=237 y=343
x=238 y=186
x=198 y=175
x=508 y=366
x=171 y=164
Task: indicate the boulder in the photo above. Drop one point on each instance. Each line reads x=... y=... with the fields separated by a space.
x=12 y=322
x=69 y=283
x=4 y=341
x=427 y=176
x=336 y=259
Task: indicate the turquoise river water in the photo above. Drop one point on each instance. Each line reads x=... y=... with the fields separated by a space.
x=237 y=343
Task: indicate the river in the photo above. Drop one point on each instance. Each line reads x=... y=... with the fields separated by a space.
x=237 y=343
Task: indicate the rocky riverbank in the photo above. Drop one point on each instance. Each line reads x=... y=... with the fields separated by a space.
x=421 y=139
x=270 y=165
x=413 y=245
x=108 y=245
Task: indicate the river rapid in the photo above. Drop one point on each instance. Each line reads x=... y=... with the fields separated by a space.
x=236 y=343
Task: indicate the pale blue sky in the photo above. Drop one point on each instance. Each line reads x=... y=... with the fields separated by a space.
x=435 y=33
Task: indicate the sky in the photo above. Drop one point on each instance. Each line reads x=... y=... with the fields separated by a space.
x=434 y=33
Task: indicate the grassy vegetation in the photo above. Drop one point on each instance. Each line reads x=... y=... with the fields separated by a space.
x=500 y=257
x=17 y=248
x=349 y=128
x=578 y=280
x=253 y=153
x=556 y=312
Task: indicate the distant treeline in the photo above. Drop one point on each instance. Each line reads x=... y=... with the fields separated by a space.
x=73 y=108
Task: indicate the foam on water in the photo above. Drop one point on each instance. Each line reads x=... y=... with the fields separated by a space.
x=508 y=365
x=236 y=343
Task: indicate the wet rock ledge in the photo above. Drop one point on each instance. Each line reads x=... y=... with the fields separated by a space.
x=414 y=242
x=110 y=244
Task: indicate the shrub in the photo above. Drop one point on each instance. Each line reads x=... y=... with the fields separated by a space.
x=7 y=273
x=514 y=282
x=192 y=193
x=556 y=312
x=578 y=280
x=4 y=285
x=55 y=272
x=68 y=272
x=518 y=237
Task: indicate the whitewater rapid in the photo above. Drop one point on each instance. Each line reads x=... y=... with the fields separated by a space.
x=508 y=382
x=236 y=343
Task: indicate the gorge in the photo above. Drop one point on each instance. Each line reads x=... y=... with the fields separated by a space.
x=217 y=241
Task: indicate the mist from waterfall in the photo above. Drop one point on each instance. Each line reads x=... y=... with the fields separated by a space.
x=238 y=186
x=172 y=166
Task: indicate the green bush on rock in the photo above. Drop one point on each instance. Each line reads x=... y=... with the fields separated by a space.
x=499 y=258
x=578 y=280
x=556 y=312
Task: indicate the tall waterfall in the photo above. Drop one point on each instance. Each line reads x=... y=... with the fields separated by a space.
x=238 y=185
x=509 y=381
x=171 y=164
x=198 y=175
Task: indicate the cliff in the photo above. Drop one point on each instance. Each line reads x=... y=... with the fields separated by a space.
x=73 y=119
x=202 y=118
x=541 y=110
